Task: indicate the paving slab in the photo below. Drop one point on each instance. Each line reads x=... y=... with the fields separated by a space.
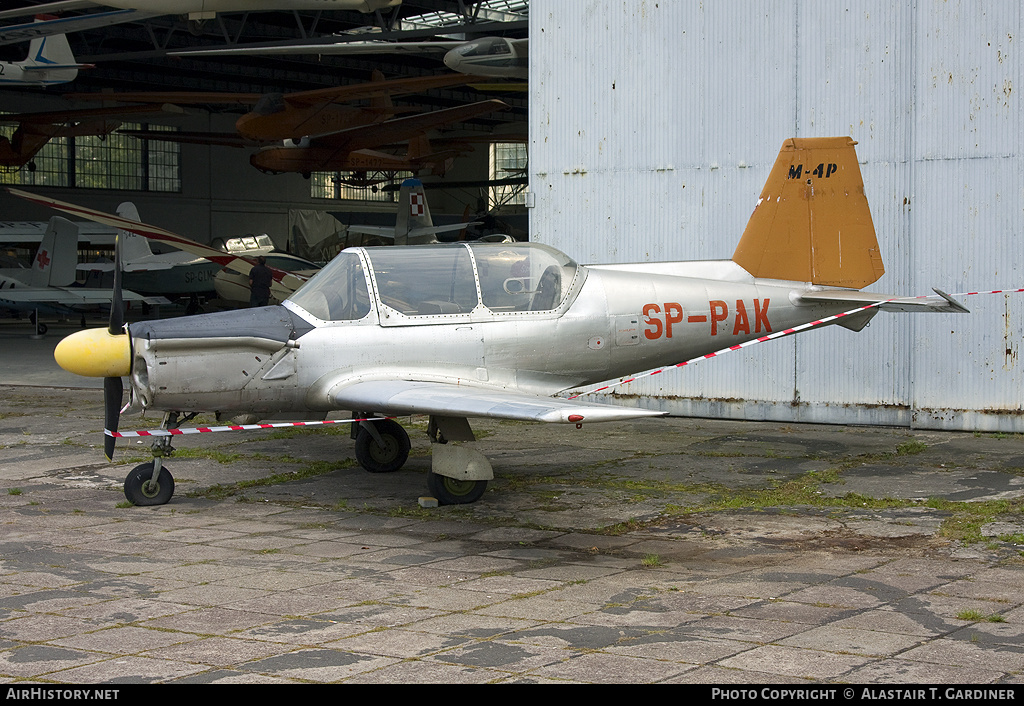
x=724 y=553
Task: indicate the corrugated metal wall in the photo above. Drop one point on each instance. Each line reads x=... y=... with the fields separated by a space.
x=654 y=125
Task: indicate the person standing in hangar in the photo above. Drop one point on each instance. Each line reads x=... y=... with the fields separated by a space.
x=259 y=283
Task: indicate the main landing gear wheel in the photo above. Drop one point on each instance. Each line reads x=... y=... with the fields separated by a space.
x=140 y=490
x=453 y=491
x=389 y=454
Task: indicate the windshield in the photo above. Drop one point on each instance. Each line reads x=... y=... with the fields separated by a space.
x=420 y=281
x=338 y=292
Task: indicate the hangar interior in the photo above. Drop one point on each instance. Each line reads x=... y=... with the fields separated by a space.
x=211 y=191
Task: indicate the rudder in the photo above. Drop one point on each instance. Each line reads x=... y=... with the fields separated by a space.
x=812 y=222
x=53 y=51
x=56 y=260
x=413 y=213
x=134 y=248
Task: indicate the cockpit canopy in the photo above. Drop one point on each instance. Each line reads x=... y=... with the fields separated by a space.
x=439 y=280
x=488 y=46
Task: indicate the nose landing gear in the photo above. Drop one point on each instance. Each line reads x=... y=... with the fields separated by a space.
x=150 y=483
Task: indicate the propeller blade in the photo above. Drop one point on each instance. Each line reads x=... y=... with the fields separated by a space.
x=113 y=390
x=116 y=323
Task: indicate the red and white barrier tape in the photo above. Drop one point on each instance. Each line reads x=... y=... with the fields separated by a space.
x=234 y=427
x=771 y=336
x=638 y=376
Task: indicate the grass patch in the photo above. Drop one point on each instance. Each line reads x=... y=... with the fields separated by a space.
x=976 y=616
x=967 y=519
x=910 y=448
x=651 y=561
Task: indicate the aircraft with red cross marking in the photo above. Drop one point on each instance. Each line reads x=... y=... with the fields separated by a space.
x=466 y=330
x=48 y=283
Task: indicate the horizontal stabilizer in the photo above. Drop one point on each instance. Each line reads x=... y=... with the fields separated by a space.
x=943 y=303
x=379 y=231
x=54 y=67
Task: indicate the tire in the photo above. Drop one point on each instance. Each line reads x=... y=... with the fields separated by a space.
x=137 y=487
x=391 y=456
x=452 y=491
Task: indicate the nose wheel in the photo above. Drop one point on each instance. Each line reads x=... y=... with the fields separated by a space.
x=148 y=485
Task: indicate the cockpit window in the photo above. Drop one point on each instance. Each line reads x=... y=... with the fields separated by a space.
x=419 y=281
x=522 y=276
x=489 y=46
x=439 y=280
x=338 y=292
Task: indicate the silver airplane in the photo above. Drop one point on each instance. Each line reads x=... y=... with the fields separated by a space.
x=467 y=330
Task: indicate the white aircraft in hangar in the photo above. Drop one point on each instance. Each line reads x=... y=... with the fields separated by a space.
x=49 y=62
x=171 y=274
x=49 y=282
x=497 y=57
x=138 y=10
x=464 y=330
x=413 y=224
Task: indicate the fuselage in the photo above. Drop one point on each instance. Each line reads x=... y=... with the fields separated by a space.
x=519 y=317
x=491 y=56
x=13 y=74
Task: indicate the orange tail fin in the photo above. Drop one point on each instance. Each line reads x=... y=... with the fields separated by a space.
x=812 y=222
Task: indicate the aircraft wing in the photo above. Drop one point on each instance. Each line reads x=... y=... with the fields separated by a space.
x=48 y=8
x=379 y=231
x=943 y=303
x=389 y=231
x=287 y=280
x=400 y=129
x=12 y=34
x=330 y=46
x=192 y=137
x=372 y=89
x=319 y=96
x=59 y=117
x=128 y=267
x=451 y=400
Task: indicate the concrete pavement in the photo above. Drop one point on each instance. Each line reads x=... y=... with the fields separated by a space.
x=678 y=550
